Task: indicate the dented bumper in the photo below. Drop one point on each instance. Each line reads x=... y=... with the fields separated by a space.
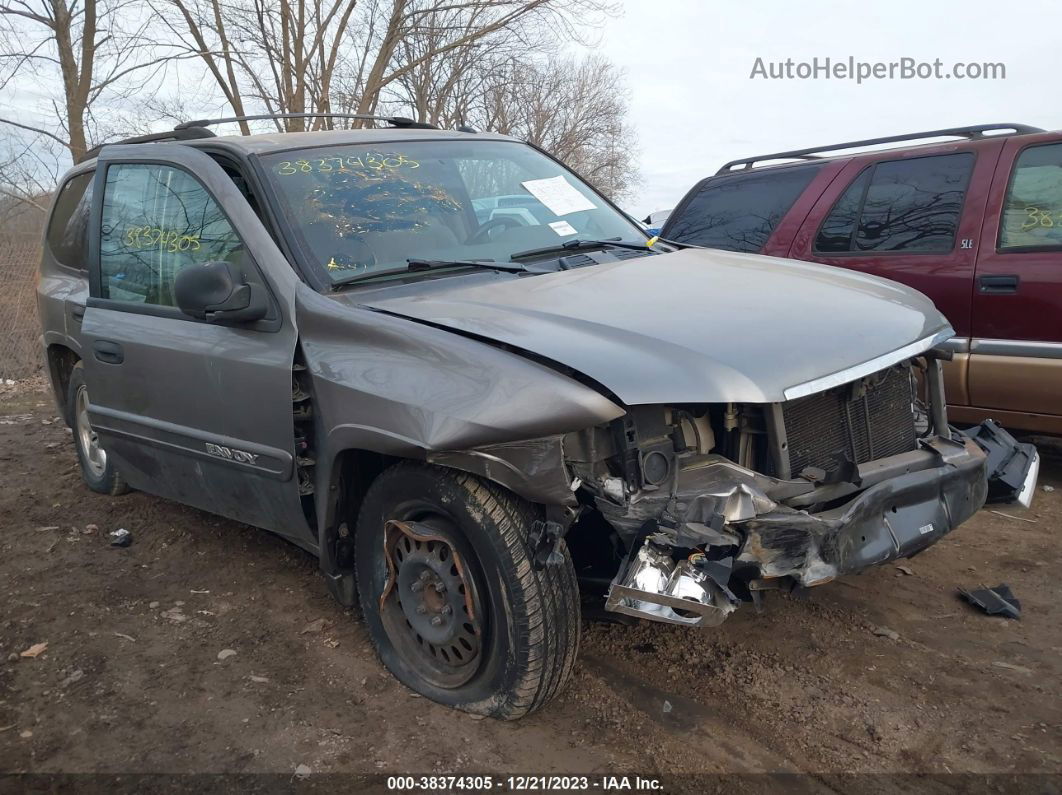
x=740 y=533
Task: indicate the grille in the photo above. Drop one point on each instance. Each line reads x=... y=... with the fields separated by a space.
x=859 y=422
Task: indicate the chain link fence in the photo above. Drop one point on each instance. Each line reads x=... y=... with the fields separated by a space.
x=20 y=351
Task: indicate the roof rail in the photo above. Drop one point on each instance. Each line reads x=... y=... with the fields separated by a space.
x=170 y=135
x=812 y=153
x=394 y=121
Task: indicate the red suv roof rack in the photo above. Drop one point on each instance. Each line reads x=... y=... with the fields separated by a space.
x=812 y=153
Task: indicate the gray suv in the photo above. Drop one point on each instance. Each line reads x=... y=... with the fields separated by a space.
x=482 y=414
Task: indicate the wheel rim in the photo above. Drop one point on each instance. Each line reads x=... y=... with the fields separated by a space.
x=430 y=603
x=94 y=456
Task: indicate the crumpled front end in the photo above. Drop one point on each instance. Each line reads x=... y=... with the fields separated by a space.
x=718 y=504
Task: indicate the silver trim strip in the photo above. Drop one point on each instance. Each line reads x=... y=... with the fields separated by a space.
x=1036 y=350
x=956 y=345
x=866 y=368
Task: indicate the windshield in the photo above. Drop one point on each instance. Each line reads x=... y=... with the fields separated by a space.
x=364 y=208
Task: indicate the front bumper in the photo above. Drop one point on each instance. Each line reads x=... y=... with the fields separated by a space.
x=753 y=541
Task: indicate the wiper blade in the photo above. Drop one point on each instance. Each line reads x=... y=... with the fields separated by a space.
x=418 y=265
x=431 y=264
x=580 y=244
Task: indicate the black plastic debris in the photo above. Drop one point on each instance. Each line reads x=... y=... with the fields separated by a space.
x=121 y=538
x=994 y=601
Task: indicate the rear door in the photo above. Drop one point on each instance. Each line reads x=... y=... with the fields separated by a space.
x=1016 y=350
x=190 y=410
x=914 y=217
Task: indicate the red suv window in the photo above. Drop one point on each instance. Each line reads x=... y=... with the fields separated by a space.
x=910 y=205
x=738 y=212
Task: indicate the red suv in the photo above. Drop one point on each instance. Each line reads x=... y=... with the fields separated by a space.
x=974 y=223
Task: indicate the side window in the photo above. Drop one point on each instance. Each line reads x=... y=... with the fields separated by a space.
x=157 y=220
x=68 y=227
x=1032 y=210
x=900 y=205
x=738 y=212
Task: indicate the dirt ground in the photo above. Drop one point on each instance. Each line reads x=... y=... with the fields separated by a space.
x=883 y=673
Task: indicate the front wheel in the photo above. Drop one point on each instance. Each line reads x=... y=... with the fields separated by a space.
x=452 y=602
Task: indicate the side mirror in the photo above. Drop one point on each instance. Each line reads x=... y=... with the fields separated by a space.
x=218 y=291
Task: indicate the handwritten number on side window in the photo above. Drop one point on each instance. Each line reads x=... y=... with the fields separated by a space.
x=170 y=240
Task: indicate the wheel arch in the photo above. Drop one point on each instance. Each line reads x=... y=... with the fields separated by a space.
x=523 y=469
x=61 y=362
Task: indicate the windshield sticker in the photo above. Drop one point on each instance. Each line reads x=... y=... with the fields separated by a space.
x=370 y=162
x=559 y=195
x=562 y=228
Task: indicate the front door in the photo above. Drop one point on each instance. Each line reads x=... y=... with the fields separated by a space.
x=1016 y=350
x=190 y=410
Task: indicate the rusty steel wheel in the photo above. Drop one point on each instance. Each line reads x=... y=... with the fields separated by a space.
x=429 y=605
x=450 y=596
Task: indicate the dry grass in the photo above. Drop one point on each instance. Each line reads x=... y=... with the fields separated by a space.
x=20 y=354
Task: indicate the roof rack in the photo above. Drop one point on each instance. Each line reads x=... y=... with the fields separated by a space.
x=394 y=121
x=188 y=134
x=812 y=153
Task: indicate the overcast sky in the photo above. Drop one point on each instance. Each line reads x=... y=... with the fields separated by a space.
x=694 y=106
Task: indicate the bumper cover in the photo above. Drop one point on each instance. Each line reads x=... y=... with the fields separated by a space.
x=749 y=537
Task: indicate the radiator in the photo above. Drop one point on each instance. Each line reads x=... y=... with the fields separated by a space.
x=859 y=422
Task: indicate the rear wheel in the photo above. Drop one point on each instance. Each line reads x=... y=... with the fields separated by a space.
x=450 y=597
x=97 y=470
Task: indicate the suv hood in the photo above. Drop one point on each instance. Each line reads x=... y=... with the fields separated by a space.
x=692 y=326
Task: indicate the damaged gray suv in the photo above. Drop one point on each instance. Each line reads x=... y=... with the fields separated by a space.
x=458 y=375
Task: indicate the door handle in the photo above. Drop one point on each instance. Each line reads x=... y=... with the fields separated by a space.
x=77 y=311
x=108 y=352
x=997 y=284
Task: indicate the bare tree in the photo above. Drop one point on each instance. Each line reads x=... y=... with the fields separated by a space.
x=315 y=56
x=92 y=51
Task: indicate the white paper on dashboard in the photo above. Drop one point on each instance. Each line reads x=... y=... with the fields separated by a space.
x=559 y=195
x=563 y=228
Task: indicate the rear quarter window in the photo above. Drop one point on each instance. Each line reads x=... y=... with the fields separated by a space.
x=68 y=227
x=738 y=212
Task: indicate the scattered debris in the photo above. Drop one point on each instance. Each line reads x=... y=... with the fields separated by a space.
x=174 y=614
x=36 y=650
x=121 y=538
x=473 y=716
x=332 y=643
x=316 y=626
x=994 y=601
x=302 y=771
x=667 y=706
x=224 y=654
x=1021 y=669
x=1015 y=518
x=259 y=679
x=195 y=591
x=25 y=734
x=905 y=570
x=51 y=527
x=76 y=676
x=885 y=632
x=90 y=529
x=7 y=728
x=1048 y=488
x=153 y=605
x=129 y=638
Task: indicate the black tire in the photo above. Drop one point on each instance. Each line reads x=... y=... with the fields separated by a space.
x=97 y=468
x=528 y=619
